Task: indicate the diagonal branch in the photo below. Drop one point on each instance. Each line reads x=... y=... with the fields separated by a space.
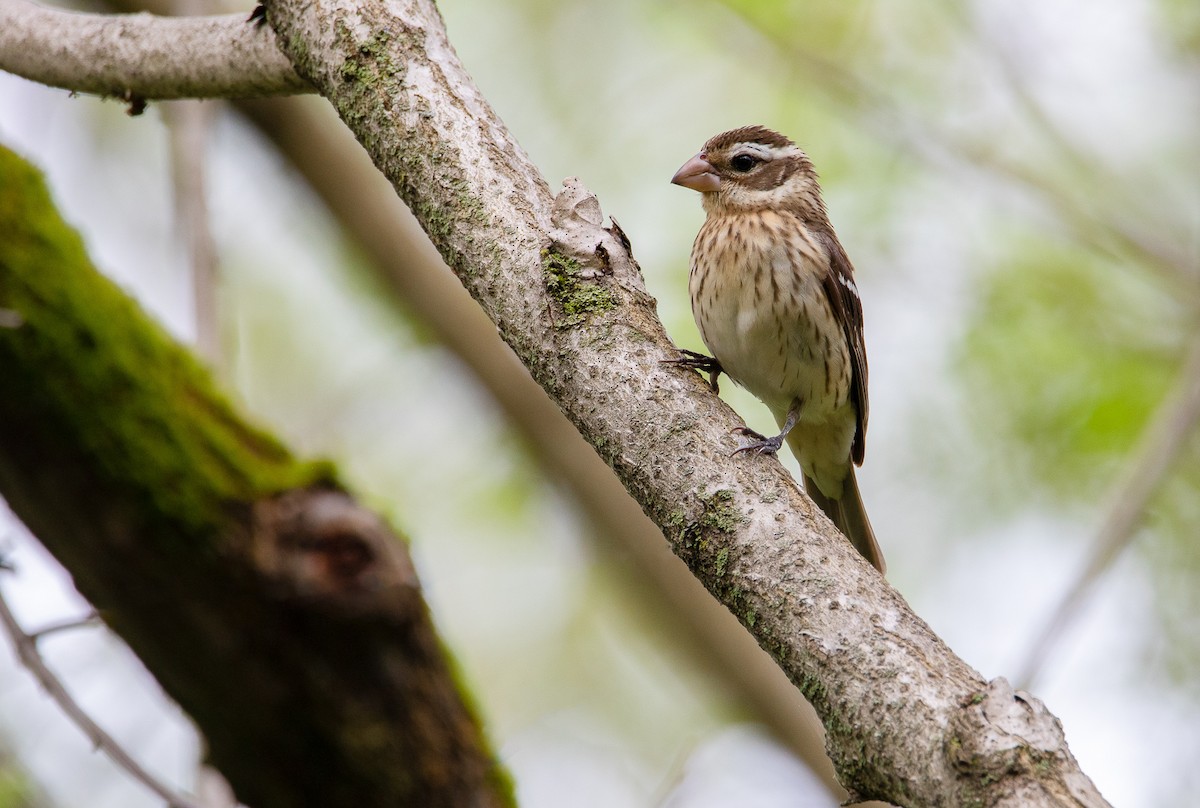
x=907 y=721
x=143 y=56
x=27 y=652
x=282 y=615
x=310 y=135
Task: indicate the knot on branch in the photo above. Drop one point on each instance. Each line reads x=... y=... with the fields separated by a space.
x=588 y=251
x=319 y=545
x=1002 y=733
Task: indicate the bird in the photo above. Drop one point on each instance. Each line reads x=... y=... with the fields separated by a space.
x=774 y=298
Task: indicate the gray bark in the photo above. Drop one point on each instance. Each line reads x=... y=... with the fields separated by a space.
x=141 y=56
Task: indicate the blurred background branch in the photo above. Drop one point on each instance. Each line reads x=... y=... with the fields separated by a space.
x=26 y=647
x=189 y=126
x=1165 y=441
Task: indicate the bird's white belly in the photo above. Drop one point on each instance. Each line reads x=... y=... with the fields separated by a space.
x=770 y=328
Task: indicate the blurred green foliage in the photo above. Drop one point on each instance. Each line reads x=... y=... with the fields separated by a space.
x=1180 y=24
x=15 y=791
x=1066 y=358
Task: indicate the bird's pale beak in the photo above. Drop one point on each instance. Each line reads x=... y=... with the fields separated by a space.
x=697 y=174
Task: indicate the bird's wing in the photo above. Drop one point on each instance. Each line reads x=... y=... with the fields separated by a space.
x=844 y=299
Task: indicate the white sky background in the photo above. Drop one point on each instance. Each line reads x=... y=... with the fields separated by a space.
x=586 y=708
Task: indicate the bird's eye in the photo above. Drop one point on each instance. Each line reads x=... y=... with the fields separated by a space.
x=743 y=163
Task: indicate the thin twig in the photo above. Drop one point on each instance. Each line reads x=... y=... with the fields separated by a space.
x=1161 y=445
x=31 y=658
x=189 y=125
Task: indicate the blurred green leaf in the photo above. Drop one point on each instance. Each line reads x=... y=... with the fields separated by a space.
x=1180 y=25
x=14 y=789
x=1065 y=361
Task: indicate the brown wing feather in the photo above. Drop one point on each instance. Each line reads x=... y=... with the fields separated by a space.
x=843 y=296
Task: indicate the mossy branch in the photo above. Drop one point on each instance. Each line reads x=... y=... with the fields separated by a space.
x=283 y=617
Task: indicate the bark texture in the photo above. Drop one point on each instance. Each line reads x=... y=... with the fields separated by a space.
x=907 y=721
x=282 y=616
x=140 y=56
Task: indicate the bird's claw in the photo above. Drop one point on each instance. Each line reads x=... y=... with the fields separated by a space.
x=755 y=442
x=698 y=361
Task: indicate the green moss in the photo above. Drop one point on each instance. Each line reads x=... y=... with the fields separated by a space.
x=576 y=295
x=370 y=64
x=102 y=378
x=371 y=81
x=722 y=560
x=719 y=512
x=813 y=690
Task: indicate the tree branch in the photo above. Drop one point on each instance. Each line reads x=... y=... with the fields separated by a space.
x=189 y=124
x=284 y=617
x=142 y=56
x=309 y=134
x=29 y=655
x=907 y=721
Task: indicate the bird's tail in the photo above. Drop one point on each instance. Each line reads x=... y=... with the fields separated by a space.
x=850 y=517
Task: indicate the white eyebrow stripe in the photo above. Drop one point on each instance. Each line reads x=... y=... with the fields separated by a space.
x=757 y=150
x=765 y=152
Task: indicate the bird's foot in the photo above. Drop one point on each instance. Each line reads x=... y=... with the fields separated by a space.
x=755 y=442
x=700 y=362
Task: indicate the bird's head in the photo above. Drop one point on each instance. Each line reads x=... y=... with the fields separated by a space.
x=752 y=168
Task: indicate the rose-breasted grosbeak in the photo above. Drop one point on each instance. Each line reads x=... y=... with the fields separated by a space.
x=774 y=296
